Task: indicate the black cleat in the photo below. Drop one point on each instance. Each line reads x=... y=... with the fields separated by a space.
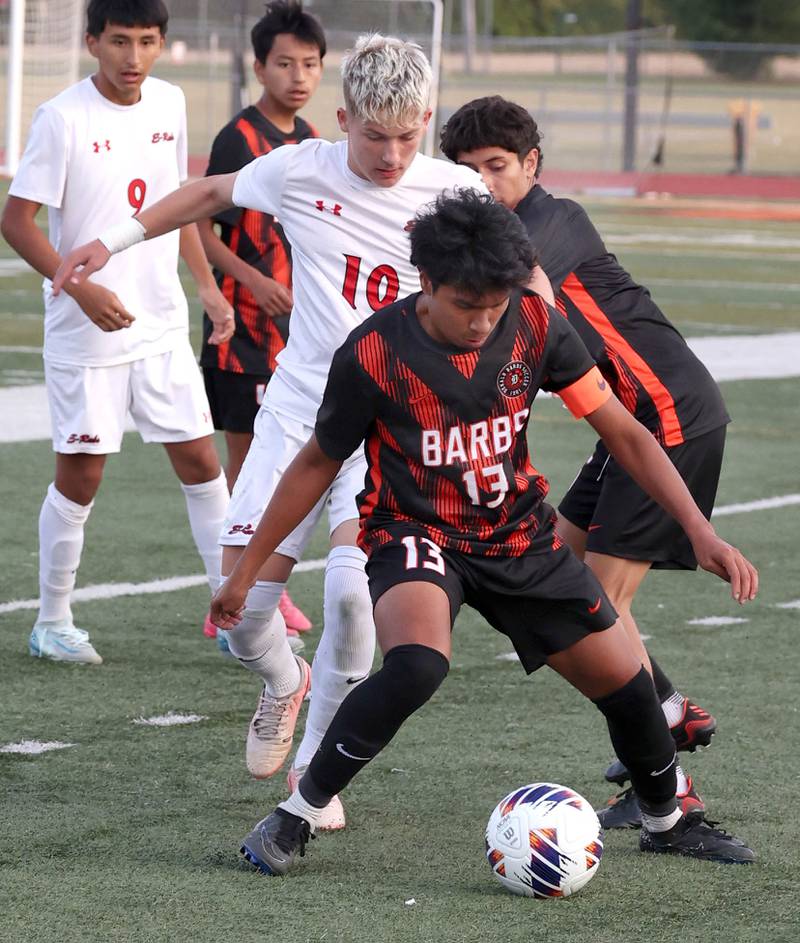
x=623 y=810
x=693 y=837
x=275 y=841
x=695 y=729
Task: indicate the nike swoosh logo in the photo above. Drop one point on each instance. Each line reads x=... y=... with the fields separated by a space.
x=601 y=384
x=361 y=759
x=661 y=770
x=356 y=680
x=595 y=526
x=593 y=609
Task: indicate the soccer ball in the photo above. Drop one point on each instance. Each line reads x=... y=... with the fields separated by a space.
x=544 y=840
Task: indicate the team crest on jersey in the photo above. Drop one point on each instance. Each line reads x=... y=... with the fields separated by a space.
x=514 y=379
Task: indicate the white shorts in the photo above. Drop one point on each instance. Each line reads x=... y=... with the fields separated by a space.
x=164 y=394
x=277 y=439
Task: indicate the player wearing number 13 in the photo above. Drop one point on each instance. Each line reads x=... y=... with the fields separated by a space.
x=345 y=208
x=106 y=148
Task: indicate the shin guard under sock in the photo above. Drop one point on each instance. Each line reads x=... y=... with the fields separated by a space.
x=642 y=741
x=370 y=716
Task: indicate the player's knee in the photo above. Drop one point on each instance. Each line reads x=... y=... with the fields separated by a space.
x=634 y=696
x=414 y=674
x=346 y=586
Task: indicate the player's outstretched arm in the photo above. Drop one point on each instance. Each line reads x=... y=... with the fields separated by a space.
x=647 y=463
x=303 y=483
x=197 y=200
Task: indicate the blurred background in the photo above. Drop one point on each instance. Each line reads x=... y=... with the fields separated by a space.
x=647 y=86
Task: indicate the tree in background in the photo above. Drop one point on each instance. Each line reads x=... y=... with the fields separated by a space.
x=733 y=21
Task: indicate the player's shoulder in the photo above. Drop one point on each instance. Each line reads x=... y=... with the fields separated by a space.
x=159 y=91
x=68 y=102
x=383 y=324
x=443 y=174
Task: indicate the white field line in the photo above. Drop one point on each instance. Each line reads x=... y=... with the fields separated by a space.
x=34 y=747
x=170 y=719
x=711 y=621
x=744 y=240
x=174 y=583
x=793 y=604
x=113 y=590
x=763 y=504
x=10 y=349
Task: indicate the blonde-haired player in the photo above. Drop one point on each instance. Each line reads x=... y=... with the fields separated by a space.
x=345 y=208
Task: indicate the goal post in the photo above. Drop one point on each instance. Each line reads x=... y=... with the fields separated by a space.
x=40 y=43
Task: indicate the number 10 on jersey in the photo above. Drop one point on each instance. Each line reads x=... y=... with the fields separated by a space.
x=382 y=284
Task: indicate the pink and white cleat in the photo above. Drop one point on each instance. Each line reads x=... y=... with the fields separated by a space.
x=292 y=616
x=209 y=629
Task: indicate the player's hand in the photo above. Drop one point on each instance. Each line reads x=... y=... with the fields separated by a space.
x=219 y=311
x=272 y=298
x=719 y=557
x=101 y=306
x=228 y=603
x=82 y=262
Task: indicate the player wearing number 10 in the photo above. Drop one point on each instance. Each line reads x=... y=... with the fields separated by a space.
x=345 y=208
x=104 y=148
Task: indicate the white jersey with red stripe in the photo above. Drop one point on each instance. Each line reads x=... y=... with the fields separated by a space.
x=93 y=162
x=350 y=250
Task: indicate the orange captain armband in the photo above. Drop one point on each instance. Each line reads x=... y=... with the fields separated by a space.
x=586 y=395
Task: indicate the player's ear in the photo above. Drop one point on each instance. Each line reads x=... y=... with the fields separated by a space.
x=530 y=161
x=426 y=118
x=425 y=284
x=341 y=117
x=258 y=71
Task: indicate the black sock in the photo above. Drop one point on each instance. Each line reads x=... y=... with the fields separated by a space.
x=664 y=687
x=370 y=716
x=642 y=740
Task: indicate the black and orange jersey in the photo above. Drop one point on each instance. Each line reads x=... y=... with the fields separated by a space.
x=444 y=429
x=257 y=239
x=648 y=363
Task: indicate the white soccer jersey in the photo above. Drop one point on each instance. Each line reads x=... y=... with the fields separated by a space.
x=92 y=162
x=350 y=250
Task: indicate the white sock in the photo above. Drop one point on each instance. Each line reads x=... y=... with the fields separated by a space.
x=346 y=649
x=297 y=805
x=673 y=708
x=259 y=640
x=207 y=504
x=660 y=823
x=61 y=524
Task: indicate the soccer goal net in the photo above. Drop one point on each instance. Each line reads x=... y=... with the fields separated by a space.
x=40 y=47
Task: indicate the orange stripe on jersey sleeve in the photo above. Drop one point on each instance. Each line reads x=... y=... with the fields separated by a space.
x=575 y=290
x=586 y=395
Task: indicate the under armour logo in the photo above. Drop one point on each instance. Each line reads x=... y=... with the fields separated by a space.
x=335 y=209
x=97 y=145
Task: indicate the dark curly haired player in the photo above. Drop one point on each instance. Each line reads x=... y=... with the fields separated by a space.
x=439 y=386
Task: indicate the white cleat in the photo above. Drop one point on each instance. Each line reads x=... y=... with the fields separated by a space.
x=332 y=816
x=61 y=641
x=269 y=738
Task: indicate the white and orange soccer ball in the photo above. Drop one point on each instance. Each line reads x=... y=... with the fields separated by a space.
x=544 y=840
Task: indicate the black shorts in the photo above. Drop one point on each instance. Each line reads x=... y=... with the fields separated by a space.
x=234 y=398
x=622 y=521
x=544 y=602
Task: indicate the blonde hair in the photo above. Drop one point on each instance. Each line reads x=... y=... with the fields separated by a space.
x=386 y=80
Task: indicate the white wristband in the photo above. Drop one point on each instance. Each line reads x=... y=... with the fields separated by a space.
x=123 y=235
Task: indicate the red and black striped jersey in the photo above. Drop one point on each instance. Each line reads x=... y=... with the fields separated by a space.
x=644 y=357
x=444 y=429
x=258 y=239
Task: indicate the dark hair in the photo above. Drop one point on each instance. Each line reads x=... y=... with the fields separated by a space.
x=286 y=16
x=142 y=13
x=491 y=122
x=472 y=243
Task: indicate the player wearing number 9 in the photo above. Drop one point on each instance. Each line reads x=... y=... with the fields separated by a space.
x=99 y=152
x=345 y=208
